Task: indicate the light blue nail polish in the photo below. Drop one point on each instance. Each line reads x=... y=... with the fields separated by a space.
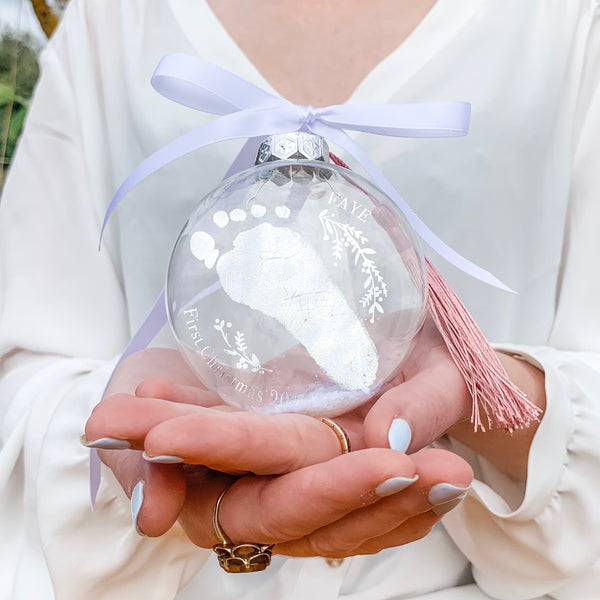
x=106 y=443
x=137 y=498
x=165 y=459
x=394 y=485
x=399 y=435
x=445 y=492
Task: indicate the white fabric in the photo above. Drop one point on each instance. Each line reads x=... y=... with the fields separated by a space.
x=518 y=196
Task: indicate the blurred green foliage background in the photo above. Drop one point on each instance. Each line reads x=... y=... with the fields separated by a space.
x=24 y=27
x=19 y=70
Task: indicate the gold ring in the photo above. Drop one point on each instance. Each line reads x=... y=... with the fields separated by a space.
x=238 y=558
x=341 y=435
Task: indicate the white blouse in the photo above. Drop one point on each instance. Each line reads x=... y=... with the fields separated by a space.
x=518 y=196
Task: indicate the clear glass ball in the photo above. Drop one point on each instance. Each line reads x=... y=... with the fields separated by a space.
x=296 y=286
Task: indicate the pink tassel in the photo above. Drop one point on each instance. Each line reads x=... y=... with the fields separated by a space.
x=501 y=401
x=492 y=391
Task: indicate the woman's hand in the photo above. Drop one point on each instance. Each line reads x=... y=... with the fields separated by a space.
x=357 y=503
x=321 y=503
x=299 y=493
x=430 y=398
x=164 y=486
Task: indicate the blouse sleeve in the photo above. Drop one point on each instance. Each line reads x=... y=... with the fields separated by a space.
x=63 y=319
x=543 y=539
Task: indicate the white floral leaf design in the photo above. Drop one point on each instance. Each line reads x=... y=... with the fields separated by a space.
x=345 y=235
x=239 y=351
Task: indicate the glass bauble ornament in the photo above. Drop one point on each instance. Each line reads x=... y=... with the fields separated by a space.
x=296 y=285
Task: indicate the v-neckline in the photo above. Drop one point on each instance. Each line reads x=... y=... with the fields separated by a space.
x=437 y=28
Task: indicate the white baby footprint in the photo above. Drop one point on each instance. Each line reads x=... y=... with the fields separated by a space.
x=283 y=212
x=238 y=215
x=275 y=271
x=202 y=246
x=258 y=211
x=221 y=219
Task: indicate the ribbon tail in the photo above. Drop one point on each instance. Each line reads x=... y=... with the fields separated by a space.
x=246 y=156
x=95 y=476
x=153 y=323
x=427 y=235
x=242 y=124
x=157 y=317
x=148 y=330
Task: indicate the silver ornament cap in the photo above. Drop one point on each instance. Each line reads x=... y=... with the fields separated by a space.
x=297 y=145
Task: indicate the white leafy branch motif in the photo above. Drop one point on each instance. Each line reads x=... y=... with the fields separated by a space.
x=343 y=236
x=239 y=348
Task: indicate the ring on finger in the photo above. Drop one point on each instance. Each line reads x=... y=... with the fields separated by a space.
x=238 y=558
x=341 y=435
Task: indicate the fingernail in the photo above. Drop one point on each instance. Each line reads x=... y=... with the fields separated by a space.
x=106 y=443
x=394 y=485
x=137 y=497
x=444 y=492
x=165 y=459
x=445 y=497
x=399 y=435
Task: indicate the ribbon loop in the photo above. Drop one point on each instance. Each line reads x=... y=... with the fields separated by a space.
x=425 y=119
x=206 y=87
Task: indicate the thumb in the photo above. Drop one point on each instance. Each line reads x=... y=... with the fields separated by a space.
x=418 y=411
x=156 y=491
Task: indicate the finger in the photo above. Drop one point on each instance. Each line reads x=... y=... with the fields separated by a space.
x=415 y=413
x=231 y=442
x=157 y=492
x=127 y=418
x=443 y=478
x=261 y=444
x=277 y=509
x=409 y=531
x=165 y=389
x=150 y=362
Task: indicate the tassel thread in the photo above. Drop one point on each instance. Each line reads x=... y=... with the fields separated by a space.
x=501 y=401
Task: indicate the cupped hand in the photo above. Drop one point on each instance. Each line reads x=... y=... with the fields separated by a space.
x=356 y=503
x=429 y=398
x=310 y=503
x=429 y=394
x=164 y=485
x=298 y=492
